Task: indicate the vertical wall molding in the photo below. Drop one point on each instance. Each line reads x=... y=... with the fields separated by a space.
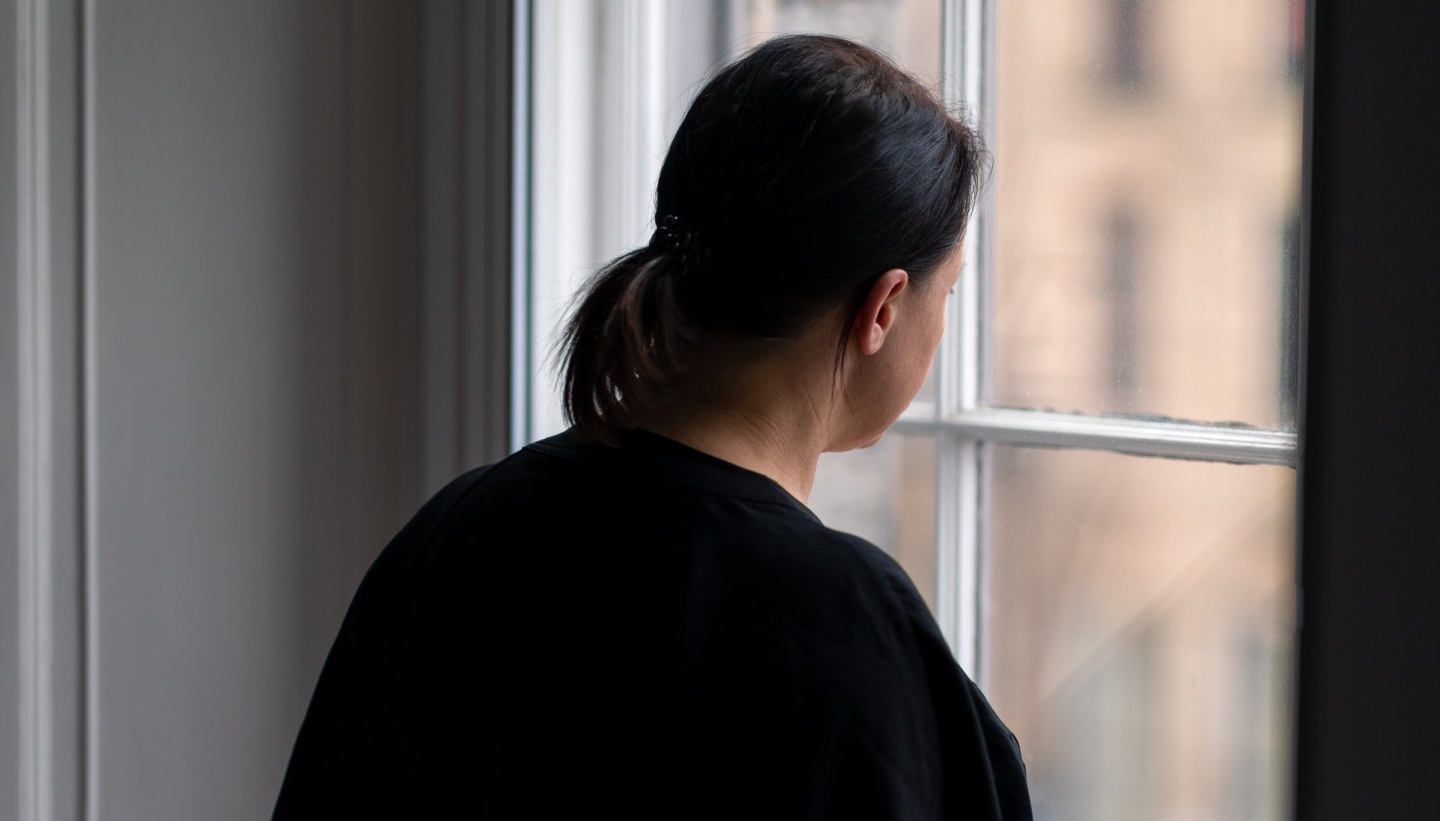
x=469 y=260
x=210 y=239
x=88 y=782
x=49 y=616
x=36 y=649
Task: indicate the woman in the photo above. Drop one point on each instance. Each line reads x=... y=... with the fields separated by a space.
x=640 y=618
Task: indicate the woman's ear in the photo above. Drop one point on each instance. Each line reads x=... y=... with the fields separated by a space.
x=877 y=312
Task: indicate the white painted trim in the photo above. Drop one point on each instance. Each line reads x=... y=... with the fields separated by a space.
x=980 y=96
x=559 y=194
x=948 y=527
x=595 y=66
x=970 y=491
x=957 y=599
x=1168 y=438
x=651 y=56
x=636 y=31
x=959 y=480
x=961 y=55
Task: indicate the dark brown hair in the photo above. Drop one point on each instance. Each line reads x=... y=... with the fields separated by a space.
x=801 y=172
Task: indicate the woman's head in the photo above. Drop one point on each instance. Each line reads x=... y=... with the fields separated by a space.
x=801 y=174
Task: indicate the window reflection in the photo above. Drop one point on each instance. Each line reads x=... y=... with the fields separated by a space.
x=1138 y=632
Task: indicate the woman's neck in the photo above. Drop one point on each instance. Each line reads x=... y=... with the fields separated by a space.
x=764 y=416
x=753 y=444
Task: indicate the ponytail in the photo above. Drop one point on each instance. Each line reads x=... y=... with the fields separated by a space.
x=624 y=346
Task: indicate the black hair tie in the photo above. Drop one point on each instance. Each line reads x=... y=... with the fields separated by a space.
x=670 y=236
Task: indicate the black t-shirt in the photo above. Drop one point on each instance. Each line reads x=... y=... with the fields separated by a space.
x=641 y=632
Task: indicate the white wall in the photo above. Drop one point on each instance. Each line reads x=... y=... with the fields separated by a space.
x=220 y=353
x=254 y=359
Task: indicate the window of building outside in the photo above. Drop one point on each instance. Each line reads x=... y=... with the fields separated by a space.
x=1095 y=489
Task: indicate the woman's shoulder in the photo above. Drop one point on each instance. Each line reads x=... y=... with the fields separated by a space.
x=836 y=585
x=871 y=560
x=849 y=561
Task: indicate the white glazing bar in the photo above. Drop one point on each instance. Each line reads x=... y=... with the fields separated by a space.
x=564 y=43
x=948 y=524
x=960 y=59
x=1169 y=438
x=958 y=471
x=947 y=465
x=976 y=314
x=654 y=142
x=980 y=95
x=970 y=482
x=631 y=125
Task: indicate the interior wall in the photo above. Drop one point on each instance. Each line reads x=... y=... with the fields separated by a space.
x=9 y=423
x=254 y=327
x=209 y=383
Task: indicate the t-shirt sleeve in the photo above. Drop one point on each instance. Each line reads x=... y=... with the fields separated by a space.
x=343 y=764
x=906 y=734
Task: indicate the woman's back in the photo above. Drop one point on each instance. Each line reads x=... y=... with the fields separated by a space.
x=649 y=631
x=611 y=622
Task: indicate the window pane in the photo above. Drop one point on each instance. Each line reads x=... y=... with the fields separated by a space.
x=1138 y=632
x=885 y=494
x=908 y=30
x=703 y=35
x=1146 y=194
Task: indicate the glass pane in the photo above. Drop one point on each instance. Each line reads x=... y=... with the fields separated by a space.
x=1146 y=195
x=703 y=35
x=885 y=494
x=909 y=30
x=1139 y=633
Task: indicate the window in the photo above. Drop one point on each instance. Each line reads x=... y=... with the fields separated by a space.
x=1095 y=488
x=1128 y=68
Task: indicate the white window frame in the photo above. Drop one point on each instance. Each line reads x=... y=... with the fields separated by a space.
x=564 y=238
x=961 y=421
